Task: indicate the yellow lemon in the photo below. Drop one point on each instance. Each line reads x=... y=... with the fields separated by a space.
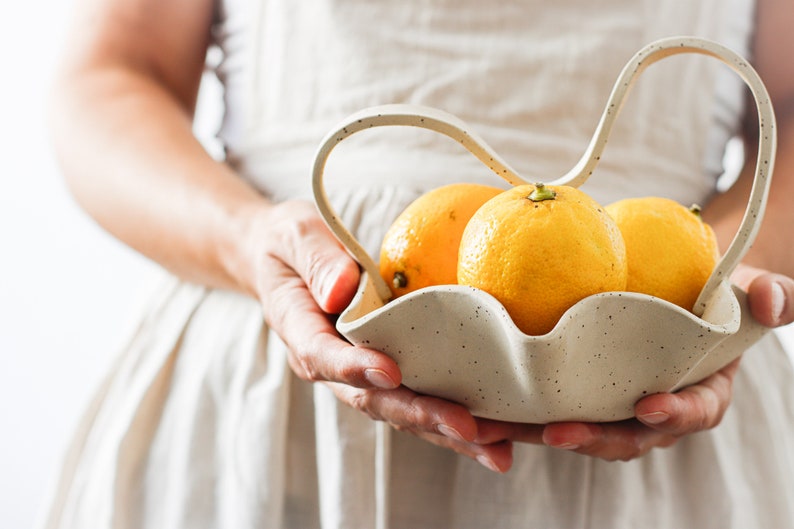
x=539 y=250
x=671 y=251
x=420 y=248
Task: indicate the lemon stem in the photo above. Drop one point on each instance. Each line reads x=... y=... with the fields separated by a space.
x=696 y=210
x=541 y=192
x=399 y=280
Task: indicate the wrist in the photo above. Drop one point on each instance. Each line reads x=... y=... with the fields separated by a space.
x=239 y=244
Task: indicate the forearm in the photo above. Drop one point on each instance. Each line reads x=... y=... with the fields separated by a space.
x=130 y=158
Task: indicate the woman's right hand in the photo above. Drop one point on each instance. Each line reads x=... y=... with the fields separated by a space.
x=303 y=276
x=123 y=132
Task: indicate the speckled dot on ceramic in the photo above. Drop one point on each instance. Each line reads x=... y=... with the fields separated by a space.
x=608 y=350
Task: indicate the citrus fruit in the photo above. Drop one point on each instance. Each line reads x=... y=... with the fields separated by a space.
x=671 y=252
x=539 y=250
x=420 y=248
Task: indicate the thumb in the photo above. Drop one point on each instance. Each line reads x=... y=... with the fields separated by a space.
x=329 y=272
x=334 y=284
x=770 y=296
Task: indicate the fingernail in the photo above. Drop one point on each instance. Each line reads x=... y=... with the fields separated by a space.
x=778 y=301
x=567 y=446
x=487 y=463
x=655 y=417
x=449 y=431
x=379 y=378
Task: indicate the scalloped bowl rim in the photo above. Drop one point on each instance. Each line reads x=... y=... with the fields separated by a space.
x=344 y=324
x=447 y=362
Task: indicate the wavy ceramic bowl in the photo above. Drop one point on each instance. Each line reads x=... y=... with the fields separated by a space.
x=608 y=351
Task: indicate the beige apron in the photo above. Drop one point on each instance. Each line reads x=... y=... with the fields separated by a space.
x=201 y=423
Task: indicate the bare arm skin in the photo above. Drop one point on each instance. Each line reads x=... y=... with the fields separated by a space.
x=122 y=128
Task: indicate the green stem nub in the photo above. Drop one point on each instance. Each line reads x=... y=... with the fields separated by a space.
x=541 y=192
x=399 y=280
x=696 y=210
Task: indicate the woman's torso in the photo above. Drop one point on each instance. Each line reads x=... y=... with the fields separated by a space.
x=530 y=77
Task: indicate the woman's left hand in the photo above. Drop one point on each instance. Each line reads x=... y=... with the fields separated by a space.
x=660 y=419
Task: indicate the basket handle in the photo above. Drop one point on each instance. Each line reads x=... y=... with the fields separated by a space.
x=767 y=143
x=456 y=129
x=389 y=115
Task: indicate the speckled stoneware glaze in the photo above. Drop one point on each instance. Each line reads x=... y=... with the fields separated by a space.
x=608 y=350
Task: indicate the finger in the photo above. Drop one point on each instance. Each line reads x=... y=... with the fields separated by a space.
x=695 y=408
x=325 y=357
x=309 y=248
x=491 y=431
x=405 y=409
x=771 y=297
x=623 y=441
x=497 y=456
x=438 y=421
x=317 y=353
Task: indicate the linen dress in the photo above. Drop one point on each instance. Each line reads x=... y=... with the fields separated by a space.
x=201 y=423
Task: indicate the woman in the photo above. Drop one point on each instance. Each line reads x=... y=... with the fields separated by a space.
x=209 y=417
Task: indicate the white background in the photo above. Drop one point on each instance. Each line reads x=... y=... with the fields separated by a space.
x=68 y=292
x=66 y=289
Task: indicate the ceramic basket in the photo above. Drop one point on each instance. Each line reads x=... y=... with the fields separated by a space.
x=608 y=350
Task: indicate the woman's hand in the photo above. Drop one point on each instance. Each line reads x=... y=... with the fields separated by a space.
x=662 y=419
x=302 y=276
